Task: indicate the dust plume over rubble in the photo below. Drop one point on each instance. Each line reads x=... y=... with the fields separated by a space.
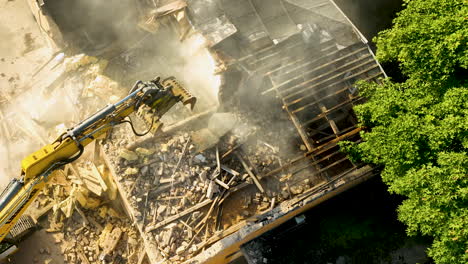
x=135 y=54
x=22 y=50
x=136 y=47
x=39 y=115
x=212 y=171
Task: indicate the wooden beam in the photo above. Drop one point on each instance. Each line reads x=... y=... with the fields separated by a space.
x=254 y=178
x=179 y=215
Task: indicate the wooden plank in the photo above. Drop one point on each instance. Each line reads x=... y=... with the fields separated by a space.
x=282 y=63
x=277 y=86
x=352 y=99
x=141 y=256
x=98 y=176
x=179 y=215
x=254 y=178
x=37 y=214
x=339 y=74
x=229 y=170
x=328 y=87
x=224 y=185
x=113 y=174
x=334 y=70
x=93 y=187
x=299 y=128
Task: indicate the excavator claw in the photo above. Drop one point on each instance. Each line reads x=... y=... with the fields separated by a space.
x=178 y=90
x=151 y=113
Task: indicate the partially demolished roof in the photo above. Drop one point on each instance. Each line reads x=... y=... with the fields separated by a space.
x=287 y=77
x=308 y=55
x=296 y=60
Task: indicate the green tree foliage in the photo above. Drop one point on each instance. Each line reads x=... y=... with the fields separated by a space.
x=418 y=130
x=428 y=39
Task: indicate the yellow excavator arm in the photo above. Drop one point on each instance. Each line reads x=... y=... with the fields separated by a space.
x=156 y=96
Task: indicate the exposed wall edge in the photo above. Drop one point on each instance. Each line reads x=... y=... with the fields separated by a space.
x=225 y=249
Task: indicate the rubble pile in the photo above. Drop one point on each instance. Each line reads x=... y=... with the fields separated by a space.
x=85 y=223
x=95 y=85
x=95 y=236
x=185 y=190
x=177 y=184
x=177 y=191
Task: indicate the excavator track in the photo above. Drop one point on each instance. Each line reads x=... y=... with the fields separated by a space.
x=24 y=225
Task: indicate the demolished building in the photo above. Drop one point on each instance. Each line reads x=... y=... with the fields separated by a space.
x=276 y=83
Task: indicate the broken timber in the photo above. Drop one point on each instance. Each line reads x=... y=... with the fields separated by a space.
x=151 y=249
x=249 y=171
x=179 y=215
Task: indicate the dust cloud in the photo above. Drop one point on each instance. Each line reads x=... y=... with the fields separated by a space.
x=108 y=30
x=117 y=31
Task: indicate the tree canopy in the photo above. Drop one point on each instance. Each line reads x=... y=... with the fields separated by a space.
x=428 y=39
x=417 y=131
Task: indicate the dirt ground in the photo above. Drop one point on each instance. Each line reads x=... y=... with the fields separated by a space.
x=22 y=51
x=39 y=248
x=22 y=48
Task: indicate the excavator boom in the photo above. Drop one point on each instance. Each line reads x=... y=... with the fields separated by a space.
x=155 y=95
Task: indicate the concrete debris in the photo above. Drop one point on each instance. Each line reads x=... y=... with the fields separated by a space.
x=161 y=209
x=212 y=189
x=77 y=61
x=145 y=152
x=144 y=170
x=164 y=147
x=296 y=189
x=101 y=86
x=167 y=198
x=199 y=158
x=178 y=191
x=166 y=237
x=128 y=155
x=108 y=240
x=84 y=228
x=131 y=171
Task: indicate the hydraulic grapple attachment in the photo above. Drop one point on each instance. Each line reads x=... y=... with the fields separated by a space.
x=179 y=91
x=170 y=93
